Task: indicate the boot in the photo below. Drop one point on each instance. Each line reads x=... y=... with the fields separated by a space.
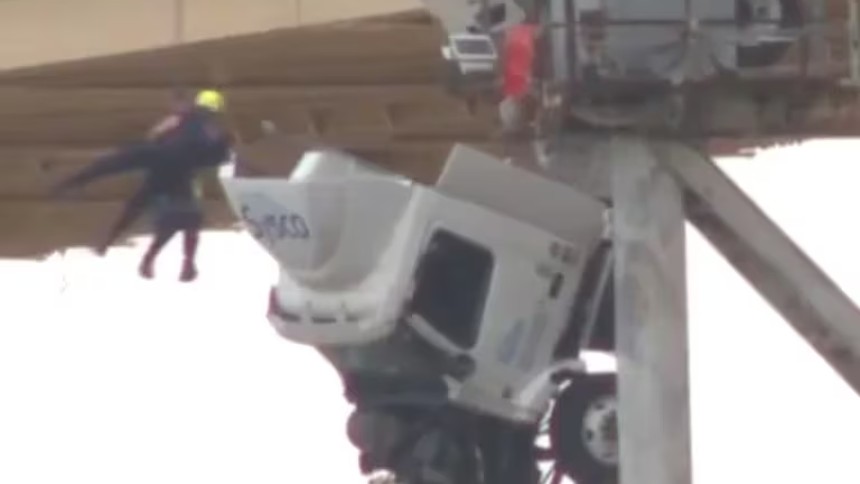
x=146 y=270
x=189 y=271
x=101 y=248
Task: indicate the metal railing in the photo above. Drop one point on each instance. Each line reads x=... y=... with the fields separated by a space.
x=827 y=48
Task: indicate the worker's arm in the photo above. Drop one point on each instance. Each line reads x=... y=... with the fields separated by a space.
x=165 y=125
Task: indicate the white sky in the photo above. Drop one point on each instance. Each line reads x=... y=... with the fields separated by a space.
x=108 y=379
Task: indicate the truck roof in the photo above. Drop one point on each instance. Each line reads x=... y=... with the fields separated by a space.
x=555 y=207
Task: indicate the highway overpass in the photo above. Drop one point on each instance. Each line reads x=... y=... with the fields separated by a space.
x=77 y=78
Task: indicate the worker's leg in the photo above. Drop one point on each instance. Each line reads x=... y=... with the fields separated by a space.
x=173 y=214
x=165 y=229
x=191 y=233
x=135 y=157
x=162 y=236
x=134 y=208
x=189 y=264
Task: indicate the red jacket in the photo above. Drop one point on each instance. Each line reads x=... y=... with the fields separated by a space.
x=518 y=59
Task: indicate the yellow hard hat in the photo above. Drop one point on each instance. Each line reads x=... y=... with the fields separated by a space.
x=210 y=99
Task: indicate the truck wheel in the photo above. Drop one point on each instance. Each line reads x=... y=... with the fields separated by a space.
x=584 y=430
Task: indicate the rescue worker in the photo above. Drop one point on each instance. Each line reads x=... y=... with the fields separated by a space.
x=175 y=151
x=197 y=140
x=175 y=207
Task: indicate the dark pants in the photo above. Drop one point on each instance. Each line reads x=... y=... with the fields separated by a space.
x=167 y=173
x=139 y=156
x=170 y=216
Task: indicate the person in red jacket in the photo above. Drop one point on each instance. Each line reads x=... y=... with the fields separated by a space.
x=518 y=64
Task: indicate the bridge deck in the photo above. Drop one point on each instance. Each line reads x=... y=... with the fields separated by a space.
x=371 y=86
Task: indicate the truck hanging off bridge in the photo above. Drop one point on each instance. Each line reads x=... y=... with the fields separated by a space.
x=455 y=314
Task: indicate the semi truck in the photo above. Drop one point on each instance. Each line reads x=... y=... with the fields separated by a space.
x=459 y=315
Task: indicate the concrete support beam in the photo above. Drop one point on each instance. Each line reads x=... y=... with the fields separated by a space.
x=808 y=299
x=651 y=318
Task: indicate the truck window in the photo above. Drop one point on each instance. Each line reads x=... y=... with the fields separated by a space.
x=452 y=282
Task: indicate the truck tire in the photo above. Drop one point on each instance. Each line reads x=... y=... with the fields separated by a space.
x=584 y=430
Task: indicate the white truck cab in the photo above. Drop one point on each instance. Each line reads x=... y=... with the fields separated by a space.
x=468 y=294
x=484 y=266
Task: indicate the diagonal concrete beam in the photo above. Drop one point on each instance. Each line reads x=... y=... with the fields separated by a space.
x=808 y=299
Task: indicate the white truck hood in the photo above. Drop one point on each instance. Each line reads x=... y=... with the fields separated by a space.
x=333 y=228
x=328 y=223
